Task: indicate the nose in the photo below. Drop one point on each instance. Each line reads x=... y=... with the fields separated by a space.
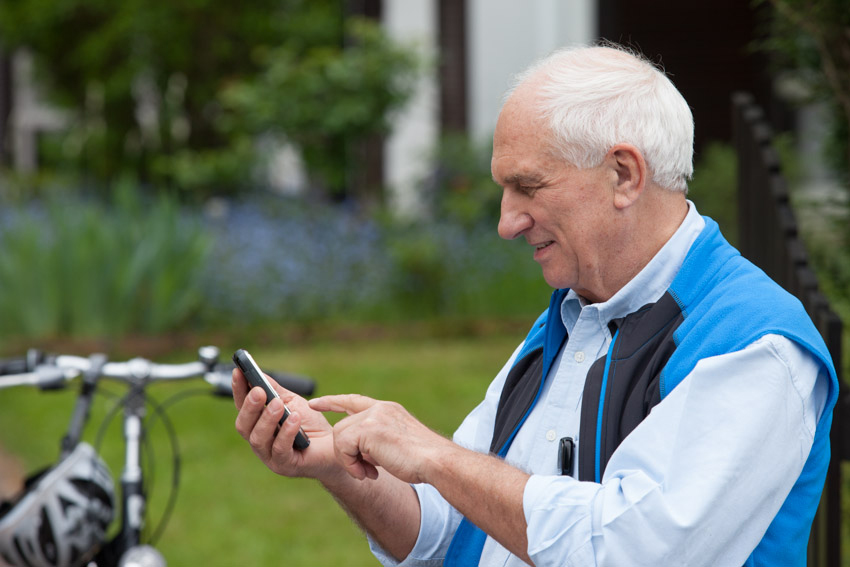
x=514 y=219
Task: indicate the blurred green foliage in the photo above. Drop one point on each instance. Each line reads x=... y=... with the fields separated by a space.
x=325 y=99
x=461 y=187
x=443 y=270
x=421 y=274
x=171 y=92
x=82 y=267
x=714 y=186
x=86 y=269
x=809 y=41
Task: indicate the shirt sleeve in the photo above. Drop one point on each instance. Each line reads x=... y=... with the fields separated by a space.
x=439 y=520
x=700 y=479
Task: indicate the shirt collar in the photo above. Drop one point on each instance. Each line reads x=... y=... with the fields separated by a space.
x=648 y=285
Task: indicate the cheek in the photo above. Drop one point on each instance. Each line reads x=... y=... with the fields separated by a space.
x=566 y=260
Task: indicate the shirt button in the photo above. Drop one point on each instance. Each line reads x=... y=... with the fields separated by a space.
x=579 y=356
x=551 y=435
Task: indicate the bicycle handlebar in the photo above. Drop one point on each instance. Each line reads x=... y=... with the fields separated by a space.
x=43 y=377
x=135 y=369
x=54 y=372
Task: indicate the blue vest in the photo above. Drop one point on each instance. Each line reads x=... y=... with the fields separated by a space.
x=718 y=303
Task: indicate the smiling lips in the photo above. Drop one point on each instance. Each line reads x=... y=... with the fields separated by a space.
x=539 y=248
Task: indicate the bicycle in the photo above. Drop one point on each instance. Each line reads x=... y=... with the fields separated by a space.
x=62 y=515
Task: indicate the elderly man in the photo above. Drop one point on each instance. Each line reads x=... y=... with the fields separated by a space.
x=671 y=406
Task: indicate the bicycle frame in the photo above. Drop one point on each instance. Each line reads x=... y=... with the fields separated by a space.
x=56 y=372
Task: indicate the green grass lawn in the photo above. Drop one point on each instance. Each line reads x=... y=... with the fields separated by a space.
x=230 y=509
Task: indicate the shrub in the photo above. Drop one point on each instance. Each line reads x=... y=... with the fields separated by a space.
x=288 y=261
x=73 y=266
x=714 y=187
x=81 y=268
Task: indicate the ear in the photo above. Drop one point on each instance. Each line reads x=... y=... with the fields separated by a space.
x=632 y=174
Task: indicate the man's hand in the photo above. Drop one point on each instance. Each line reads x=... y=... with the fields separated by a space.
x=383 y=434
x=380 y=434
x=388 y=509
x=259 y=426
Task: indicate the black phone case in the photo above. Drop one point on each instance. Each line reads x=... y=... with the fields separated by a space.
x=255 y=378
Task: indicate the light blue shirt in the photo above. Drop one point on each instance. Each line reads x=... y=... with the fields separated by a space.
x=696 y=483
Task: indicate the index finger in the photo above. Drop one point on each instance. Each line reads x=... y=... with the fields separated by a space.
x=343 y=403
x=240 y=388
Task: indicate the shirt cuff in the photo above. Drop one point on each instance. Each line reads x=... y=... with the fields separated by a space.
x=438 y=522
x=558 y=514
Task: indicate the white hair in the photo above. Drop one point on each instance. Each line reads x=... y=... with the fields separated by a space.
x=594 y=97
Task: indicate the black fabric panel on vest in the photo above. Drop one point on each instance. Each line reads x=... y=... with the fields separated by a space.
x=587 y=423
x=517 y=395
x=643 y=347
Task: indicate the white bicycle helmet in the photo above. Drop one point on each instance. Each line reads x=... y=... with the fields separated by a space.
x=61 y=516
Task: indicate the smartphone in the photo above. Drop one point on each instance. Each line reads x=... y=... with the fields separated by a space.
x=255 y=377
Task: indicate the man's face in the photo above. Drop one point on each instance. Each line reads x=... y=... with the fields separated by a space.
x=565 y=213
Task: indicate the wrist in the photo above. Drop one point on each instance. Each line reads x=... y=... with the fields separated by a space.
x=336 y=480
x=440 y=459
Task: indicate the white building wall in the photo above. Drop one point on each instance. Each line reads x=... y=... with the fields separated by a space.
x=416 y=127
x=504 y=36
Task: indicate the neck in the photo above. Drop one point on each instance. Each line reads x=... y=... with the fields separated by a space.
x=645 y=230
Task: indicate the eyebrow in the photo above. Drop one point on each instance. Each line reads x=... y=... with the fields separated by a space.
x=520 y=179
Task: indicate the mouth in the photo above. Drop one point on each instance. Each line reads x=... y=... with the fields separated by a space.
x=539 y=248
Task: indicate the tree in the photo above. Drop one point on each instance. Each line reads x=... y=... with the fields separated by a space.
x=146 y=81
x=326 y=99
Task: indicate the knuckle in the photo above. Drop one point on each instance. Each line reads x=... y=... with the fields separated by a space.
x=255 y=438
x=281 y=447
x=242 y=428
x=390 y=409
x=339 y=430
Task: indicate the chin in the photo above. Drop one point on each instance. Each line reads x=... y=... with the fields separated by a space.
x=556 y=282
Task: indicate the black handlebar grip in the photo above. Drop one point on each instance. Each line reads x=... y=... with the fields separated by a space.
x=300 y=385
x=14 y=366
x=295 y=383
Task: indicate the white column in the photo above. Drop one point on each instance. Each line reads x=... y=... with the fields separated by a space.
x=29 y=114
x=416 y=126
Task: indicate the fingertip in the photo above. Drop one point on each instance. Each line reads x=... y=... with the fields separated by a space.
x=356 y=471
x=256 y=395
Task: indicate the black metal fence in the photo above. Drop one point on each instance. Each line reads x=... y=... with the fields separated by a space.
x=768 y=237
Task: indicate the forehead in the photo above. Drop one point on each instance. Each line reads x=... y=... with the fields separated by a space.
x=519 y=118
x=521 y=142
